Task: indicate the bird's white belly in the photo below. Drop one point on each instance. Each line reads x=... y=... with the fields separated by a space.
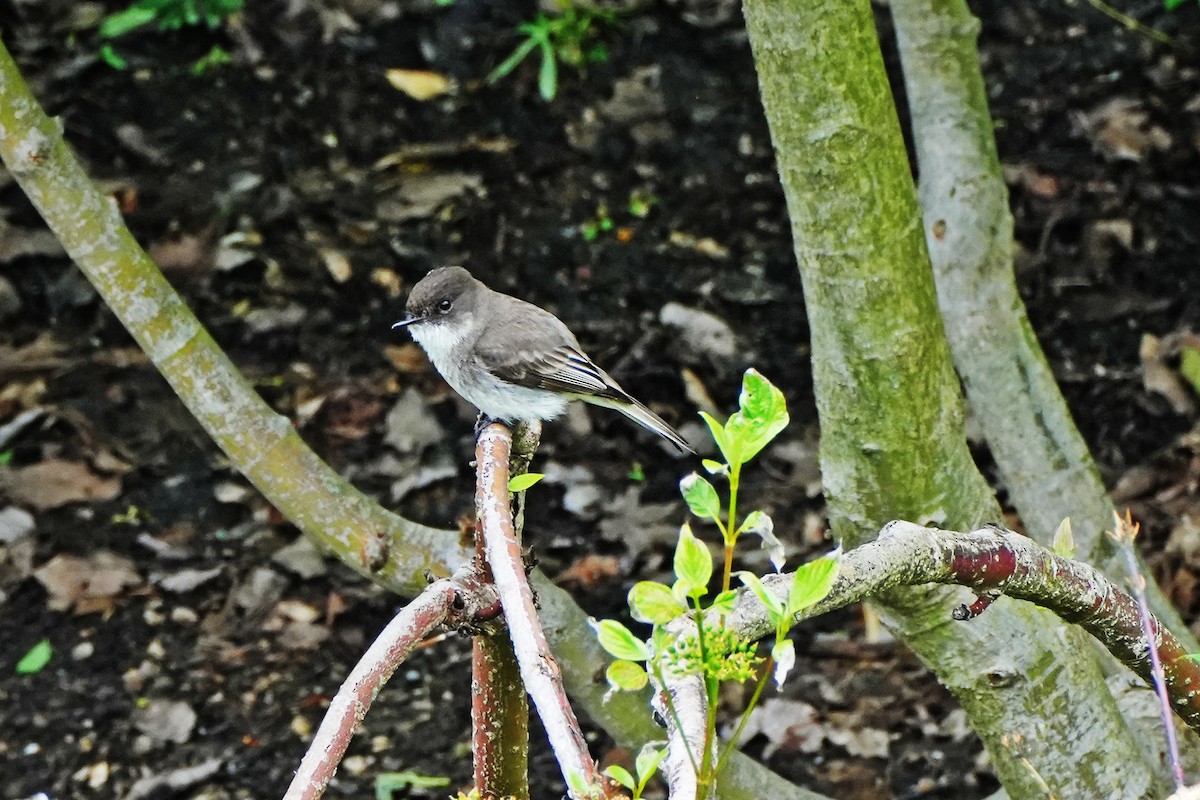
x=494 y=397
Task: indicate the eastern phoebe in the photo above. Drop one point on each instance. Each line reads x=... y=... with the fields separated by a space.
x=512 y=360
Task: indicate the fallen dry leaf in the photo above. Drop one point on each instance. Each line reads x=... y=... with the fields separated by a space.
x=43 y=353
x=408 y=358
x=1029 y=178
x=1120 y=130
x=15 y=523
x=590 y=571
x=166 y=720
x=191 y=253
x=81 y=582
x=788 y=725
x=336 y=264
x=56 y=482
x=419 y=196
x=303 y=636
x=1159 y=377
x=419 y=84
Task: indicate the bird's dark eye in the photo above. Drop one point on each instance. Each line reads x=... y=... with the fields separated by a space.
x=445 y=306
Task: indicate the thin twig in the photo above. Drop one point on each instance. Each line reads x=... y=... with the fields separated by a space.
x=1124 y=533
x=1130 y=23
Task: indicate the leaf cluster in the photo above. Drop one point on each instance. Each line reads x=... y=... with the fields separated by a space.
x=168 y=15
x=568 y=37
x=709 y=649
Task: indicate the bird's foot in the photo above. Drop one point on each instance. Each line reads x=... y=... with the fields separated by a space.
x=481 y=422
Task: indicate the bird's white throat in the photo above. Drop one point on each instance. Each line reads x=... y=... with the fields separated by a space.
x=439 y=340
x=444 y=344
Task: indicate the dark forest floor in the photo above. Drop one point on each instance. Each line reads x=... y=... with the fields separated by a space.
x=294 y=195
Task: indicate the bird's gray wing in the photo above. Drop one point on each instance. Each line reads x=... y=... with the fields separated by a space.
x=516 y=353
x=563 y=369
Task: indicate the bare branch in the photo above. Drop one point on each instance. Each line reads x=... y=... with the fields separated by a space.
x=464 y=596
x=539 y=670
x=990 y=559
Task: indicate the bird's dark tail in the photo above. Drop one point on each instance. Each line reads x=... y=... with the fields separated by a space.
x=644 y=417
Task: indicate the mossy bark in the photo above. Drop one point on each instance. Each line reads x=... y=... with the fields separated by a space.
x=892 y=442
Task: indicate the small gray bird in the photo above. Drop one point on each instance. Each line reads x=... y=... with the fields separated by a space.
x=512 y=360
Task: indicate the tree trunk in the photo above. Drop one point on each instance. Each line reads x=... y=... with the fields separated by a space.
x=892 y=443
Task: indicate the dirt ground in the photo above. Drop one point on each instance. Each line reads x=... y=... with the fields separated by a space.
x=295 y=194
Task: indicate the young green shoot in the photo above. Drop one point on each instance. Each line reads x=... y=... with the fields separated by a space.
x=645 y=765
x=168 y=15
x=36 y=659
x=709 y=649
x=519 y=483
x=761 y=415
x=567 y=37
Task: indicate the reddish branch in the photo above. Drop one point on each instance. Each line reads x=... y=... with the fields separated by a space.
x=539 y=670
x=461 y=598
x=997 y=560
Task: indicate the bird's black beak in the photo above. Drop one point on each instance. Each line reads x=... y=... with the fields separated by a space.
x=408 y=320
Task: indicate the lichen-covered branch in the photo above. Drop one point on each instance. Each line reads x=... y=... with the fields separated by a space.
x=499 y=704
x=993 y=558
x=262 y=444
x=1043 y=460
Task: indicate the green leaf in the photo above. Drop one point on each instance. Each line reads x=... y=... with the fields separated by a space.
x=214 y=58
x=1064 y=542
x=723 y=603
x=619 y=642
x=761 y=416
x=714 y=467
x=123 y=22
x=812 y=583
x=548 y=74
x=577 y=784
x=509 y=64
x=701 y=497
x=387 y=783
x=36 y=659
x=774 y=604
x=647 y=761
x=661 y=639
x=621 y=776
x=519 y=483
x=760 y=400
x=1189 y=366
x=111 y=57
x=693 y=563
x=717 y=430
x=596 y=53
x=626 y=676
x=654 y=603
